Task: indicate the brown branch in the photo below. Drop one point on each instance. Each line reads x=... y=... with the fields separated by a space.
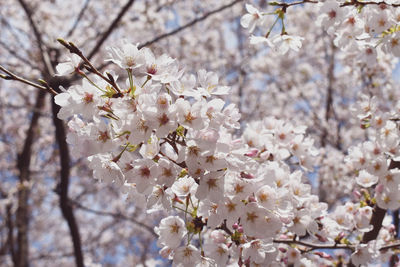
x=65 y=205
x=313 y=246
x=43 y=54
x=12 y=76
x=78 y=18
x=179 y=29
x=23 y=165
x=286 y=5
x=189 y=24
x=11 y=235
x=329 y=93
x=350 y=3
x=110 y=29
x=378 y=214
x=89 y=66
x=363 y=3
x=16 y=55
x=115 y=215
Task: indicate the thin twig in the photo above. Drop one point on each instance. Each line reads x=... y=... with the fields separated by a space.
x=313 y=246
x=189 y=24
x=44 y=56
x=12 y=76
x=115 y=215
x=112 y=26
x=78 y=18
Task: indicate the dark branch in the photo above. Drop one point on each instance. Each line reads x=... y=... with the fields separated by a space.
x=115 y=215
x=110 y=29
x=43 y=54
x=78 y=18
x=189 y=24
x=23 y=165
x=65 y=206
x=12 y=76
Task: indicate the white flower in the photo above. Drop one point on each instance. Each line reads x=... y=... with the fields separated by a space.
x=255 y=250
x=187 y=256
x=79 y=99
x=184 y=186
x=331 y=14
x=255 y=40
x=127 y=56
x=171 y=231
x=211 y=187
x=157 y=68
x=282 y=43
x=365 y=179
x=391 y=44
x=189 y=115
x=388 y=198
x=362 y=255
x=259 y=222
x=209 y=84
x=184 y=86
x=69 y=66
x=143 y=174
x=104 y=169
x=251 y=19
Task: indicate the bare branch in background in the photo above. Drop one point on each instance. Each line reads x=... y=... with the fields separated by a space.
x=43 y=53
x=189 y=24
x=23 y=165
x=65 y=205
x=115 y=215
x=12 y=76
x=78 y=18
x=110 y=29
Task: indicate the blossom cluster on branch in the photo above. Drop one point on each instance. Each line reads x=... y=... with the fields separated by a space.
x=275 y=170
x=167 y=139
x=356 y=26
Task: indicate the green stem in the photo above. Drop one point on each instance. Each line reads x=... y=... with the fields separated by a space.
x=272 y=27
x=90 y=81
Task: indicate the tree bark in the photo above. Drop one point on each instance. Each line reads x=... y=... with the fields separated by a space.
x=23 y=165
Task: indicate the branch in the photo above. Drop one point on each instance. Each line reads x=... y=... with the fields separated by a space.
x=38 y=36
x=112 y=26
x=89 y=66
x=13 y=76
x=362 y=3
x=286 y=5
x=65 y=206
x=16 y=55
x=350 y=3
x=378 y=214
x=11 y=234
x=115 y=215
x=189 y=24
x=78 y=18
x=23 y=166
x=313 y=246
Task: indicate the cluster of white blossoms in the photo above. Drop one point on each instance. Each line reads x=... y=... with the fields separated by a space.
x=356 y=26
x=166 y=138
x=373 y=161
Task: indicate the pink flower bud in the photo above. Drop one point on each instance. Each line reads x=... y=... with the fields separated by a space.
x=252 y=199
x=252 y=153
x=246 y=175
x=356 y=194
x=379 y=188
x=283 y=250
